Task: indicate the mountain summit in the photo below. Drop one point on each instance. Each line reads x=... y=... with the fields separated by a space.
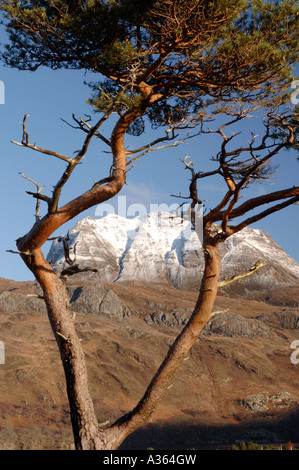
x=161 y=247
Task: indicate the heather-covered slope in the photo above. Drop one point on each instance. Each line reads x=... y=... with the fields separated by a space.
x=238 y=383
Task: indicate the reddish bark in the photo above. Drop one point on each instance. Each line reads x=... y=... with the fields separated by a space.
x=178 y=351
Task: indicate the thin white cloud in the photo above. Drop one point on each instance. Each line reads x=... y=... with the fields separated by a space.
x=135 y=199
x=142 y=193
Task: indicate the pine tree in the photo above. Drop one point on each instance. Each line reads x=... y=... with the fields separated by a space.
x=158 y=63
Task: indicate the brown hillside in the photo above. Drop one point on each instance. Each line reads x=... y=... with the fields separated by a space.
x=238 y=382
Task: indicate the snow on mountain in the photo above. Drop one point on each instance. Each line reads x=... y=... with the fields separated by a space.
x=162 y=247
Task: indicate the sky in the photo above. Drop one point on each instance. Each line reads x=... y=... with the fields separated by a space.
x=50 y=96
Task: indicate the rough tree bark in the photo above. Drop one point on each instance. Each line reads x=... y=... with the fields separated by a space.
x=83 y=418
x=178 y=352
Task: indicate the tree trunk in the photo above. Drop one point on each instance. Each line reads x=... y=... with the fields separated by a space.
x=178 y=351
x=84 y=421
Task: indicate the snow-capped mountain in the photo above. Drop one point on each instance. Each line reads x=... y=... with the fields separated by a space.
x=162 y=247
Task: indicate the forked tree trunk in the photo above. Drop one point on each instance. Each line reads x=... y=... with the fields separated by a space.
x=87 y=434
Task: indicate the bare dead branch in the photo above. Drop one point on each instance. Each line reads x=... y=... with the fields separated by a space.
x=218 y=312
x=83 y=125
x=67 y=251
x=92 y=131
x=41 y=197
x=37 y=195
x=39 y=188
x=73 y=267
x=36 y=296
x=169 y=135
x=25 y=143
x=71 y=271
x=102 y=181
x=63 y=337
x=180 y=197
x=238 y=172
x=59 y=185
x=226 y=282
x=72 y=162
x=151 y=146
x=19 y=252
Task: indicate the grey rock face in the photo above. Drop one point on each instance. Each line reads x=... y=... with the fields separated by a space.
x=234 y=326
x=262 y=402
x=86 y=299
x=94 y=300
x=16 y=302
x=225 y=324
x=286 y=318
x=111 y=306
x=177 y=319
x=97 y=300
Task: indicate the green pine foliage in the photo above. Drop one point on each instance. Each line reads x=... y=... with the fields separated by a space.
x=190 y=53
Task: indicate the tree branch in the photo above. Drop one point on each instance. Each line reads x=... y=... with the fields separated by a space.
x=262 y=215
x=256 y=167
x=37 y=195
x=255 y=202
x=25 y=143
x=83 y=125
x=258 y=265
x=73 y=267
x=72 y=162
x=170 y=135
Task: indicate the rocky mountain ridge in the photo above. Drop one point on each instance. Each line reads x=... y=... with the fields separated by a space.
x=161 y=247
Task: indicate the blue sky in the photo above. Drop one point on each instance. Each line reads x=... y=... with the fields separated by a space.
x=49 y=96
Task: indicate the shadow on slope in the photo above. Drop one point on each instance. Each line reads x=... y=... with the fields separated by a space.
x=164 y=436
